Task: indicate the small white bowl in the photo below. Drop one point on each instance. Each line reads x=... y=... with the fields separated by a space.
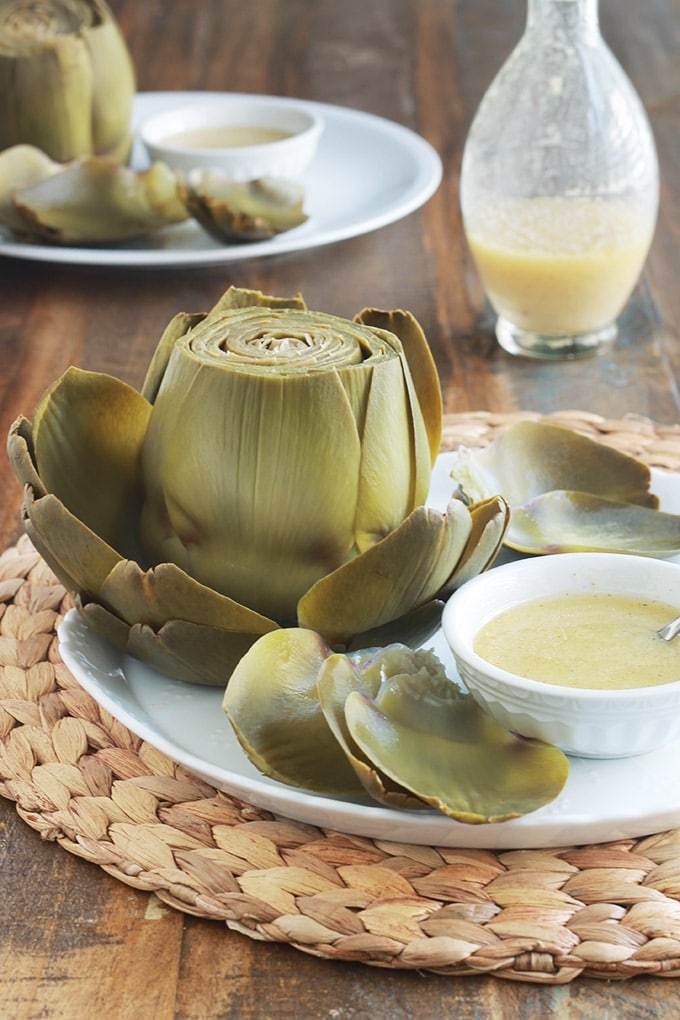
x=285 y=157
x=584 y=722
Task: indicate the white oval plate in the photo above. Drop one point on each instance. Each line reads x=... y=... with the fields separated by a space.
x=367 y=172
x=602 y=800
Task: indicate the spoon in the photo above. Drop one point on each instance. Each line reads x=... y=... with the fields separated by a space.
x=670 y=630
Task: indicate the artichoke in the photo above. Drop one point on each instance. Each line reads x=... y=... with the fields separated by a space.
x=272 y=470
x=66 y=79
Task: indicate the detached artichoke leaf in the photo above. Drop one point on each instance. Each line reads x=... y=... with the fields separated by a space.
x=438 y=743
x=337 y=679
x=237 y=212
x=407 y=569
x=421 y=366
x=529 y=458
x=562 y=521
x=272 y=704
x=20 y=167
x=97 y=201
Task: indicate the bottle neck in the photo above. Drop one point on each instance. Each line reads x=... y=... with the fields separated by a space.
x=575 y=18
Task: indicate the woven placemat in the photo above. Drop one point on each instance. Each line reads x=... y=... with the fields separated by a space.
x=86 y=782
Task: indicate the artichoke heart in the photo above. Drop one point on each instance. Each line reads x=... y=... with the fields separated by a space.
x=568 y=492
x=234 y=212
x=273 y=470
x=411 y=737
x=66 y=79
x=90 y=201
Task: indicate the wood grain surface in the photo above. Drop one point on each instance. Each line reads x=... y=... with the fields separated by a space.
x=75 y=942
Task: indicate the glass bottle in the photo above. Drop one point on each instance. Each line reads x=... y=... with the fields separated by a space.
x=559 y=186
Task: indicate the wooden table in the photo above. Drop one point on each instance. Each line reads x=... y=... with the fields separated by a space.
x=75 y=942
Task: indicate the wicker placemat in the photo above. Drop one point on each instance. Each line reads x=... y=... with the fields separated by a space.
x=83 y=780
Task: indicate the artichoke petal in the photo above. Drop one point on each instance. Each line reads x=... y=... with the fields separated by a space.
x=529 y=458
x=272 y=705
x=421 y=366
x=180 y=649
x=490 y=521
x=97 y=201
x=337 y=679
x=79 y=558
x=87 y=434
x=405 y=570
x=22 y=455
x=20 y=167
x=425 y=734
x=562 y=521
x=234 y=212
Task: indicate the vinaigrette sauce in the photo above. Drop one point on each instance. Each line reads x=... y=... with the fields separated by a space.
x=225 y=137
x=605 y=642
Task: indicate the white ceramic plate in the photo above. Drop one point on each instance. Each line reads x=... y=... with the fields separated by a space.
x=368 y=172
x=602 y=800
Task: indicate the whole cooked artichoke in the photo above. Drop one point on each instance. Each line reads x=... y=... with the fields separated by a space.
x=66 y=79
x=272 y=471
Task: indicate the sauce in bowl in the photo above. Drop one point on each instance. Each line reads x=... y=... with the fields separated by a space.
x=599 y=642
x=227 y=137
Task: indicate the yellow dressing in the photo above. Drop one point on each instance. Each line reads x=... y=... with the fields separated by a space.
x=558 y=265
x=225 y=137
x=605 y=642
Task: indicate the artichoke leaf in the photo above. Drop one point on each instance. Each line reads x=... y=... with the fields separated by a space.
x=413 y=629
x=272 y=704
x=336 y=680
x=405 y=570
x=20 y=167
x=22 y=455
x=79 y=558
x=241 y=297
x=529 y=458
x=388 y=430
x=236 y=212
x=563 y=521
x=421 y=365
x=166 y=592
x=97 y=201
x=429 y=737
x=88 y=432
x=185 y=651
x=178 y=326
x=490 y=521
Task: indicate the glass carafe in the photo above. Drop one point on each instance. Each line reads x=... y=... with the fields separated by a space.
x=559 y=186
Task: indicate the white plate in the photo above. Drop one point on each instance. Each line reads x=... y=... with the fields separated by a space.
x=368 y=172
x=602 y=800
